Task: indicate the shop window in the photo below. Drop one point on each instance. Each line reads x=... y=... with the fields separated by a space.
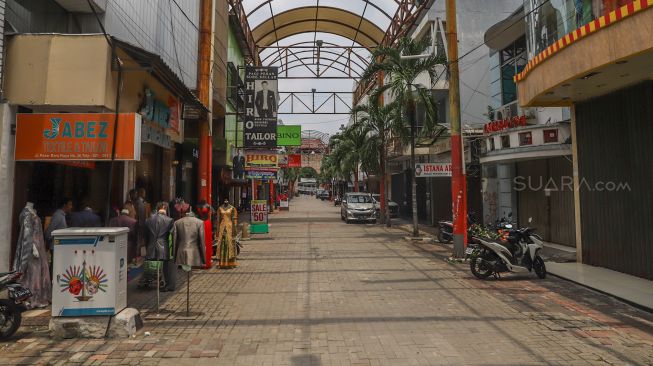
x=513 y=59
x=550 y=136
x=525 y=138
x=491 y=143
x=505 y=142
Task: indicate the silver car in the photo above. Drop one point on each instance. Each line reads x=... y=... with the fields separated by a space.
x=392 y=206
x=358 y=207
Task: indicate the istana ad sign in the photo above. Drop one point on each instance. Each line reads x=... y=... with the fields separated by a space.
x=289 y=135
x=77 y=136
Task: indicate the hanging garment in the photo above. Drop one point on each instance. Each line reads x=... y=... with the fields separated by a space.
x=226 y=242
x=158 y=227
x=188 y=241
x=31 y=259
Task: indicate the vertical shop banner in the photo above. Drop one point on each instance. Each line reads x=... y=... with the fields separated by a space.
x=259 y=219
x=77 y=136
x=261 y=103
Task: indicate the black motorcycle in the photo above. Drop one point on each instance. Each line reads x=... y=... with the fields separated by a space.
x=11 y=308
x=445 y=234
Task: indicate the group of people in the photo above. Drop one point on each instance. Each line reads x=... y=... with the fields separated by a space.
x=173 y=235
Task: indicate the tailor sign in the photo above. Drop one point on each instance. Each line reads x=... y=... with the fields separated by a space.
x=261 y=103
x=430 y=170
x=77 y=136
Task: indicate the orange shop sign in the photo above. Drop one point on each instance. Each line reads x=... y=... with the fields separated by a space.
x=77 y=136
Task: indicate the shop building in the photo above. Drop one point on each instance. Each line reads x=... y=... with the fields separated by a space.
x=527 y=157
x=598 y=63
x=74 y=76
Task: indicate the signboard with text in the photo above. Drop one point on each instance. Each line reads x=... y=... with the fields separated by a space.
x=289 y=135
x=261 y=103
x=261 y=159
x=261 y=174
x=259 y=218
x=294 y=161
x=430 y=170
x=77 y=136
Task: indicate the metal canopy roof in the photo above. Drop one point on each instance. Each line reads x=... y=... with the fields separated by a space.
x=318 y=19
x=324 y=38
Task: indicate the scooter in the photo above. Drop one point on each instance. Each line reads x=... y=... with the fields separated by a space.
x=12 y=307
x=521 y=255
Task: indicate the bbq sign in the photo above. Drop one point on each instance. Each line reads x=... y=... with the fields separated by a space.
x=261 y=103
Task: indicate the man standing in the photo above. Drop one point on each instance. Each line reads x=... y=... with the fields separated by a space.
x=239 y=165
x=125 y=220
x=266 y=102
x=85 y=218
x=58 y=220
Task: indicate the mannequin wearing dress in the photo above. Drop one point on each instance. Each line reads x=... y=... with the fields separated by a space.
x=226 y=244
x=31 y=258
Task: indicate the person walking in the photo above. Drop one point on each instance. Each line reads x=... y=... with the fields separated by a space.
x=125 y=220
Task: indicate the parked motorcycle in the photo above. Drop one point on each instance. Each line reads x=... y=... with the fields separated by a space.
x=11 y=307
x=520 y=254
x=445 y=234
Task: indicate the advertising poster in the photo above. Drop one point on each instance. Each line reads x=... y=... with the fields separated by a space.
x=261 y=103
x=261 y=160
x=259 y=219
x=431 y=170
x=289 y=135
x=294 y=161
x=262 y=174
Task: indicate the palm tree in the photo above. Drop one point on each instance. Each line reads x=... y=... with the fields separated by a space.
x=349 y=153
x=401 y=72
x=381 y=121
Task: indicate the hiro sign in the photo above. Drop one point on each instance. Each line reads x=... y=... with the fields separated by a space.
x=77 y=136
x=429 y=170
x=261 y=159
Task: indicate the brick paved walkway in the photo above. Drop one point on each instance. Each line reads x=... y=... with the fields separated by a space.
x=319 y=292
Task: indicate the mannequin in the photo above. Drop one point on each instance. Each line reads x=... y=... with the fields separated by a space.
x=31 y=258
x=226 y=242
x=188 y=241
x=189 y=247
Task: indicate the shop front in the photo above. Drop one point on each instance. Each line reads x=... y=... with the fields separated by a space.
x=62 y=153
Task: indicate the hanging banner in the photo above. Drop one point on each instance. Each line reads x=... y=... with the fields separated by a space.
x=261 y=102
x=294 y=161
x=259 y=218
x=289 y=135
x=261 y=159
x=429 y=170
x=77 y=136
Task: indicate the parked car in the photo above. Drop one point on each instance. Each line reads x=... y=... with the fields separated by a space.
x=358 y=207
x=393 y=206
x=323 y=195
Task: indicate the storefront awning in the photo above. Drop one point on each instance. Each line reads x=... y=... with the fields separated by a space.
x=161 y=71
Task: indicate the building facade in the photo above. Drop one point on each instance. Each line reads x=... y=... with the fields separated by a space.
x=609 y=95
x=527 y=158
x=73 y=72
